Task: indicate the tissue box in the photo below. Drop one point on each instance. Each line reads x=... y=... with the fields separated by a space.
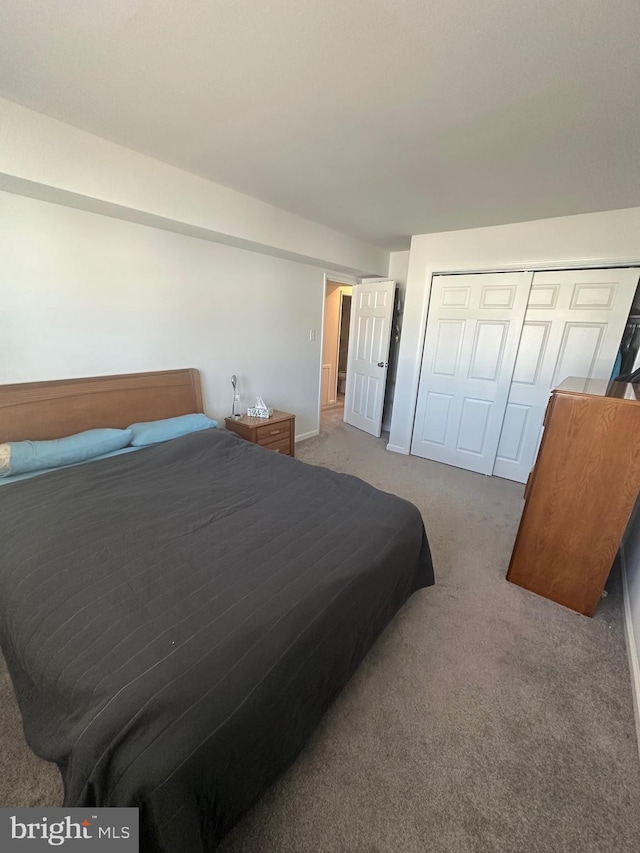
x=259 y=412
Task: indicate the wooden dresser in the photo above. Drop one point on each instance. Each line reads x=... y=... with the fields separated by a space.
x=275 y=433
x=580 y=493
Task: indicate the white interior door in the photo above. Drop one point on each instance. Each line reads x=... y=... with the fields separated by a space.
x=368 y=355
x=470 y=347
x=573 y=327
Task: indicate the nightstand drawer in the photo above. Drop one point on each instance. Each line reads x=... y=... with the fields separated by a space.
x=270 y=433
x=280 y=445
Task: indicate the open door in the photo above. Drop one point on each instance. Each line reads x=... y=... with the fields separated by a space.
x=368 y=358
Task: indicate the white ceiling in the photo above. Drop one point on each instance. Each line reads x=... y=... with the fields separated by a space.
x=381 y=119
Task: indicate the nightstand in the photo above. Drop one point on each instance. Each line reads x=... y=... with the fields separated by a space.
x=275 y=433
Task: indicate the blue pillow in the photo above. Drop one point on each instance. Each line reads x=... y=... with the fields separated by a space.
x=19 y=457
x=152 y=432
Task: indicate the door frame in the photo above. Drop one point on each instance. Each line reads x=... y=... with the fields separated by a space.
x=338 y=278
x=342 y=298
x=524 y=267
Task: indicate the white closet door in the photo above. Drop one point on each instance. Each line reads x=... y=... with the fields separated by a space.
x=573 y=327
x=470 y=347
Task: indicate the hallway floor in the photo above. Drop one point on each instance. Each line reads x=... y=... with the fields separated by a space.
x=331 y=416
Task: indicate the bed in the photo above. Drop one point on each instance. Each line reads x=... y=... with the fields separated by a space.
x=177 y=620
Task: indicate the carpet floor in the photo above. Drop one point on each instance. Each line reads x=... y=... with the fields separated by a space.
x=484 y=719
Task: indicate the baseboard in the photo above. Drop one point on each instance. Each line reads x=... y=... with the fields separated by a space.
x=395 y=448
x=303 y=436
x=632 y=648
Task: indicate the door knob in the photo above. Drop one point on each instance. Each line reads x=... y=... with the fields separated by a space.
x=383 y=363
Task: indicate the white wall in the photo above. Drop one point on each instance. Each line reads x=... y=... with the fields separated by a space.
x=83 y=294
x=111 y=261
x=399 y=269
x=47 y=159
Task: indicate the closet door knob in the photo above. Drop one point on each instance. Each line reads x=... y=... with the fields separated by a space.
x=383 y=363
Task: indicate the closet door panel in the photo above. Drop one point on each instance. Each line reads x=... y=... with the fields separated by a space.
x=573 y=326
x=471 y=341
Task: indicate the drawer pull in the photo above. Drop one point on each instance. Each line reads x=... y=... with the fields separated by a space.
x=275 y=432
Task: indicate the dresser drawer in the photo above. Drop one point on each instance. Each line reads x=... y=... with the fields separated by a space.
x=280 y=445
x=270 y=433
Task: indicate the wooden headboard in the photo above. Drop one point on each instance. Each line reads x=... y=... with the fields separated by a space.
x=43 y=410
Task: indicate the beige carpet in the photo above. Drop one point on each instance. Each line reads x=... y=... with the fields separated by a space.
x=484 y=719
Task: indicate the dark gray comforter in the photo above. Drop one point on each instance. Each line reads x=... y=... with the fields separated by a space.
x=177 y=620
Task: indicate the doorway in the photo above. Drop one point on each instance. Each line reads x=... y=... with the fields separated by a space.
x=343 y=345
x=335 y=345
